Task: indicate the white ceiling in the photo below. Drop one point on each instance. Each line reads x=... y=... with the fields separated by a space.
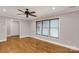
x=41 y=11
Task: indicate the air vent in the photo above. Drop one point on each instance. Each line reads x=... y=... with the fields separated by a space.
x=72 y=6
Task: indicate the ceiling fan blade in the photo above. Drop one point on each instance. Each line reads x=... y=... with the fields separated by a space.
x=33 y=15
x=33 y=12
x=27 y=13
x=20 y=10
x=20 y=14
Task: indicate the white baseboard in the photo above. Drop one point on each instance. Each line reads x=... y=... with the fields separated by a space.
x=24 y=36
x=67 y=46
x=8 y=35
x=3 y=40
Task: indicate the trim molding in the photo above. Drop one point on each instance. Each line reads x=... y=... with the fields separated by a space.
x=24 y=36
x=3 y=40
x=67 y=46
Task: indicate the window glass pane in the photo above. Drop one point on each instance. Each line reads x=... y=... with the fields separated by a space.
x=38 y=27
x=48 y=27
x=54 y=28
x=45 y=28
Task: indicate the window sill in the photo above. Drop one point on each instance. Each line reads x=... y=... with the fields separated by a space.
x=48 y=36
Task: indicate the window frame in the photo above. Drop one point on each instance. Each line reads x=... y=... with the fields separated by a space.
x=49 y=28
x=58 y=28
x=42 y=28
x=36 y=27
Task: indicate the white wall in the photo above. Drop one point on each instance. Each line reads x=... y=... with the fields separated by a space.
x=14 y=28
x=3 y=30
x=24 y=28
x=69 y=31
x=8 y=27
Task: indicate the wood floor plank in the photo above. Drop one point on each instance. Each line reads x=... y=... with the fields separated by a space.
x=31 y=45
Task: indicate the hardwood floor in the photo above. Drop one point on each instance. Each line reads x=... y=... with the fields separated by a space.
x=31 y=45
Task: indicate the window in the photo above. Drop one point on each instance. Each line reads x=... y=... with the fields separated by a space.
x=54 y=28
x=48 y=27
x=45 y=28
x=38 y=27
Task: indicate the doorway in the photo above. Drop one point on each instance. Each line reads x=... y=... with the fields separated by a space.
x=13 y=28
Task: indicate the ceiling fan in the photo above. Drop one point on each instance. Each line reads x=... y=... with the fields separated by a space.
x=27 y=13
